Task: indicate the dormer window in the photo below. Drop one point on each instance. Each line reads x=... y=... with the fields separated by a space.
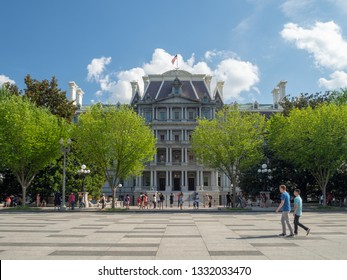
x=176 y=86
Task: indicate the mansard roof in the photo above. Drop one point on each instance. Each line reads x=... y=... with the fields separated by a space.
x=187 y=85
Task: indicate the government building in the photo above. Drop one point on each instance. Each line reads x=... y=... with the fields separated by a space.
x=171 y=103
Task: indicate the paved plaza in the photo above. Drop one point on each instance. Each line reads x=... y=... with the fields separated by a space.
x=168 y=236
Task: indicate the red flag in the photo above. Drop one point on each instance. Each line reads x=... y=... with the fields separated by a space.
x=174 y=59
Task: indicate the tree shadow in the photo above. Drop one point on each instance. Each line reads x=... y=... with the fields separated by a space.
x=254 y=237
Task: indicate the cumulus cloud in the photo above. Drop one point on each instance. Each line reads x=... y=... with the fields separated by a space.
x=96 y=67
x=324 y=41
x=338 y=79
x=239 y=76
x=5 y=79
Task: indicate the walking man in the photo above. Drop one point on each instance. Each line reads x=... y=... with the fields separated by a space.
x=285 y=206
x=298 y=212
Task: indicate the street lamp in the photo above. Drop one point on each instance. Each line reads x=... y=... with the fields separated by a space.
x=84 y=172
x=1 y=178
x=64 y=149
x=264 y=170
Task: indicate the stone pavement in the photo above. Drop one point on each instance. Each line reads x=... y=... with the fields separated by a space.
x=168 y=236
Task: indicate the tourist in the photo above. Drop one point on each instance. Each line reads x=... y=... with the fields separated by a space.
x=72 y=200
x=171 y=199
x=298 y=213
x=285 y=206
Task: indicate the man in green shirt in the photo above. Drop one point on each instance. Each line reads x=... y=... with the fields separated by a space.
x=298 y=212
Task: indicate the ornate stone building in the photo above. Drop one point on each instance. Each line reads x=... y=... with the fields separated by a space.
x=170 y=103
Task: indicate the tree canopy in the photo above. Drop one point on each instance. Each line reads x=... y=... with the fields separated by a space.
x=116 y=140
x=312 y=139
x=231 y=142
x=29 y=137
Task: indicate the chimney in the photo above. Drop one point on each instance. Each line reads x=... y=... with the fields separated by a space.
x=208 y=79
x=282 y=89
x=79 y=93
x=275 y=96
x=145 y=82
x=134 y=87
x=73 y=88
x=219 y=87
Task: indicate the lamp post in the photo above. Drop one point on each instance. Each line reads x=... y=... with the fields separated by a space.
x=64 y=149
x=1 y=178
x=120 y=193
x=84 y=172
x=267 y=174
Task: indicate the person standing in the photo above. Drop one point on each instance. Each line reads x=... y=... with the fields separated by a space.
x=171 y=199
x=72 y=200
x=298 y=212
x=181 y=200
x=285 y=206
x=228 y=200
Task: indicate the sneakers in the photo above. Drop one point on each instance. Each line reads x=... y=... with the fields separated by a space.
x=282 y=234
x=290 y=235
x=307 y=231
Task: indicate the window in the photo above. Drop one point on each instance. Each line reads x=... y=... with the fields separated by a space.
x=162 y=115
x=205 y=181
x=206 y=113
x=177 y=138
x=191 y=115
x=162 y=137
x=191 y=157
x=148 y=116
x=176 y=115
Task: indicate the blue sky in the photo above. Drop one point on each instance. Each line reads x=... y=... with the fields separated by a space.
x=103 y=45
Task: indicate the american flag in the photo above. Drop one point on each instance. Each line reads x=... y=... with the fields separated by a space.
x=174 y=59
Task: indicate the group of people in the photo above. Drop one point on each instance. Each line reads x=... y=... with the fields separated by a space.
x=286 y=209
x=144 y=202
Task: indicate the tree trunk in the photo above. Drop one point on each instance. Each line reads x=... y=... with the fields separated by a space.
x=24 y=190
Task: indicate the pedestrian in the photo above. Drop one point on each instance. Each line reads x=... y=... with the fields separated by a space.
x=161 y=198
x=228 y=199
x=72 y=200
x=127 y=202
x=154 y=200
x=103 y=201
x=285 y=206
x=171 y=199
x=298 y=212
x=38 y=200
x=181 y=200
x=57 y=200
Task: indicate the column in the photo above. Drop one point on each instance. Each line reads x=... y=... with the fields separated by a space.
x=167 y=180
x=186 y=179
x=151 y=180
x=167 y=155
x=155 y=180
x=182 y=155
x=202 y=178
x=182 y=180
x=185 y=113
x=153 y=113
x=186 y=154
x=167 y=113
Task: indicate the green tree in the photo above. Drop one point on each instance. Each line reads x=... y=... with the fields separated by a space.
x=230 y=143
x=29 y=138
x=305 y=100
x=47 y=94
x=116 y=140
x=312 y=139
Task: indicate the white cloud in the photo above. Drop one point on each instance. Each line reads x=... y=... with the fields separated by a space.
x=96 y=67
x=338 y=80
x=291 y=8
x=239 y=76
x=324 y=41
x=5 y=79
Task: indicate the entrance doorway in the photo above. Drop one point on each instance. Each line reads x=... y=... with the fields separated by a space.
x=176 y=184
x=162 y=184
x=191 y=184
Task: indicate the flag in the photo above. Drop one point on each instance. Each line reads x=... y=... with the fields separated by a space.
x=174 y=59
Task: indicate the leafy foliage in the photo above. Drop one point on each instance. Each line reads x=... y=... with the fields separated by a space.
x=29 y=138
x=231 y=142
x=312 y=139
x=115 y=140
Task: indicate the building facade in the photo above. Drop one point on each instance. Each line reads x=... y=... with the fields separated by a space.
x=171 y=103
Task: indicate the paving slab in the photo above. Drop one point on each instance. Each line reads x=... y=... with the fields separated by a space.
x=175 y=235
